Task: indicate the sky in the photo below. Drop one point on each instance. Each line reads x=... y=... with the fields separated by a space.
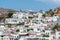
x=35 y=5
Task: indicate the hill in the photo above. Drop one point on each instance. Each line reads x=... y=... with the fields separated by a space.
x=5 y=12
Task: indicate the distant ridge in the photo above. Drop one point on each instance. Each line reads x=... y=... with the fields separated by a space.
x=4 y=12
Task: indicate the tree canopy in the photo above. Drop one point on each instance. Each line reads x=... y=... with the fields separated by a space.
x=10 y=15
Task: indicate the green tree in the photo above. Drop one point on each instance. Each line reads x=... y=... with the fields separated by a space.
x=56 y=26
x=17 y=30
x=1 y=18
x=10 y=15
x=44 y=15
x=2 y=35
x=30 y=17
x=50 y=10
x=45 y=35
x=9 y=25
x=28 y=29
x=16 y=39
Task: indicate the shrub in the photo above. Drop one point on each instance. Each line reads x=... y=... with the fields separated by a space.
x=10 y=15
x=17 y=30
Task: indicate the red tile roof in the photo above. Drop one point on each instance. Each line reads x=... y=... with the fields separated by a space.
x=49 y=23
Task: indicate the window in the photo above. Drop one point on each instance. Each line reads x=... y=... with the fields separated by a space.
x=38 y=29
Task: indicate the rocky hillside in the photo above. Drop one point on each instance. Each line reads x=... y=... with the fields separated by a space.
x=52 y=12
x=4 y=12
x=57 y=11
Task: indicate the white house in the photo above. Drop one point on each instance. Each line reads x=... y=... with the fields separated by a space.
x=57 y=34
x=11 y=21
x=18 y=15
x=39 y=14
